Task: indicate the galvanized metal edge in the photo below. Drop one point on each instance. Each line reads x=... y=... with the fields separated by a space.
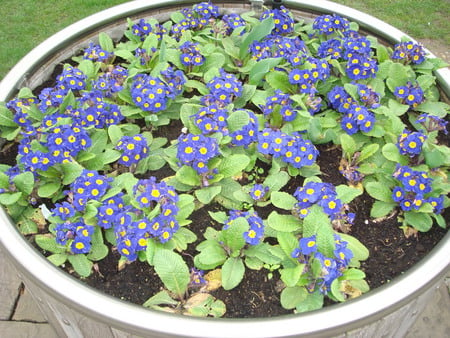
x=135 y=319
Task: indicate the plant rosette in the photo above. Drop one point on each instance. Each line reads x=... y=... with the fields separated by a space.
x=224 y=114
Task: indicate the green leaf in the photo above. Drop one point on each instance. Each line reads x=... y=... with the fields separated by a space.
x=24 y=182
x=291 y=276
x=10 y=198
x=49 y=189
x=98 y=252
x=353 y=274
x=99 y=140
x=58 y=259
x=325 y=239
x=185 y=206
x=207 y=194
x=335 y=290
x=81 y=264
x=115 y=134
x=233 y=164
x=161 y=298
x=172 y=270
x=347 y=194
x=292 y=296
x=280 y=80
x=368 y=151
x=283 y=200
x=313 y=301
x=232 y=272
x=440 y=109
x=379 y=191
x=314 y=220
x=237 y=120
x=391 y=152
x=105 y=42
x=381 y=209
x=6 y=117
x=71 y=171
x=418 y=220
x=187 y=175
x=276 y=181
x=48 y=243
x=261 y=68
x=397 y=108
x=360 y=252
x=288 y=242
x=233 y=236
x=348 y=145
x=212 y=255
x=283 y=223
x=258 y=32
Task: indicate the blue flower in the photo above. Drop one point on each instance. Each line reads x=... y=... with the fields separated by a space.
x=134 y=148
x=410 y=143
x=258 y=192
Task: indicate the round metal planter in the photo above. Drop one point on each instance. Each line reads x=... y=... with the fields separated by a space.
x=76 y=310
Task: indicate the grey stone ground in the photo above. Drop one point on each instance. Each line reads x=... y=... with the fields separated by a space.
x=20 y=316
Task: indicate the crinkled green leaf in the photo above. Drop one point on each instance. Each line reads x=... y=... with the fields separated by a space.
x=232 y=272
x=81 y=264
x=172 y=270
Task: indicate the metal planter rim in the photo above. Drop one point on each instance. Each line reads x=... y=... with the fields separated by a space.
x=133 y=318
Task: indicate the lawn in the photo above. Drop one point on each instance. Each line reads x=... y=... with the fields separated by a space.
x=26 y=23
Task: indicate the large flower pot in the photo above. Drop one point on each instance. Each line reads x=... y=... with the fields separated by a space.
x=76 y=310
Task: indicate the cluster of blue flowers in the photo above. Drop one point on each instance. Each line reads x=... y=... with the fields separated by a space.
x=432 y=123
x=233 y=21
x=282 y=18
x=152 y=94
x=211 y=119
x=409 y=52
x=348 y=45
x=70 y=79
x=222 y=89
x=324 y=195
x=410 y=143
x=78 y=233
x=95 y=111
x=357 y=116
x=414 y=186
x=293 y=149
x=196 y=150
x=248 y=133
x=329 y=24
x=332 y=267
x=111 y=81
x=134 y=148
x=258 y=192
x=95 y=53
x=90 y=185
x=410 y=94
x=62 y=144
x=141 y=29
x=190 y=54
x=20 y=108
x=195 y=18
x=255 y=232
x=292 y=49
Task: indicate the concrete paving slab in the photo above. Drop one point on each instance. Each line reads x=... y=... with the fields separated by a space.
x=9 y=288
x=434 y=322
x=26 y=330
x=27 y=309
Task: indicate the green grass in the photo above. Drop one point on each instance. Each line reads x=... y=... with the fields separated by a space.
x=26 y=23
x=421 y=19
